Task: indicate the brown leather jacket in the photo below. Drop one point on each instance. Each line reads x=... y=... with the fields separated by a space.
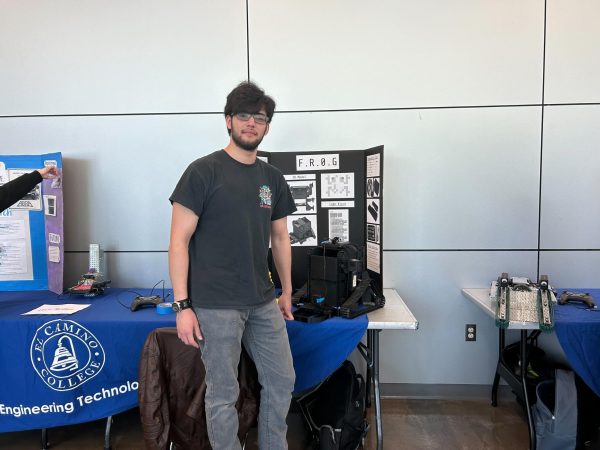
x=171 y=393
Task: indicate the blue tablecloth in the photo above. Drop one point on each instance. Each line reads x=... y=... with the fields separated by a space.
x=67 y=369
x=578 y=331
x=320 y=348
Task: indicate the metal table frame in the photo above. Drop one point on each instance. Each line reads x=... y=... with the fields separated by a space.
x=518 y=384
x=395 y=315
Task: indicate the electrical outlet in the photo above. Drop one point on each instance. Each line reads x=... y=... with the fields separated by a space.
x=470 y=332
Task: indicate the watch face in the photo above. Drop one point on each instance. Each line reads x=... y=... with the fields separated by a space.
x=175 y=306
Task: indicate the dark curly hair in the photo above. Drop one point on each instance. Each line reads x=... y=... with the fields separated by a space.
x=248 y=97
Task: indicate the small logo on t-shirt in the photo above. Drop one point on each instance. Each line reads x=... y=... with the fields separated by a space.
x=264 y=194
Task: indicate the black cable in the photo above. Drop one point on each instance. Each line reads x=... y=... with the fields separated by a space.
x=163 y=288
x=130 y=291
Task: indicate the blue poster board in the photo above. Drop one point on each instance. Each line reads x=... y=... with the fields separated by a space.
x=31 y=230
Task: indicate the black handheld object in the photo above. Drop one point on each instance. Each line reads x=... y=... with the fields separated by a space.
x=140 y=301
x=586 y=298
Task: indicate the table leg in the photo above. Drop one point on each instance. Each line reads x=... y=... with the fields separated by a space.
x=369 y=359
x=374 y=335
x=44 y=438
x=524 y=363
x=501 y=341
x=107 y=433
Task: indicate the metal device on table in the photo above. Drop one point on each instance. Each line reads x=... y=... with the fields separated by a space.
x=518 y=299
x=94 y=281
x=338 y=284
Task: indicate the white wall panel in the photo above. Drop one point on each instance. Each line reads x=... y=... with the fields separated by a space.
x=570 y=184
x=572 y=269
x=454 y=178
x=346 y=54
x=119 y=171
x=572 y=42
x=430 y=283
x=71 y=57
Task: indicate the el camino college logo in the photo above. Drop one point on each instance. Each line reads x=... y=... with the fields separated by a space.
x=65 y=354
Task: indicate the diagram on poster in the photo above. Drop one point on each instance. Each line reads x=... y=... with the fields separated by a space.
x=339 y=225
x=33 y=199
x=373 y=257
x=373 y=187
x=373 y=233
x=304 y=195
x=373 y=165
x=303 y=230
x=373 y=213
x=337 y=185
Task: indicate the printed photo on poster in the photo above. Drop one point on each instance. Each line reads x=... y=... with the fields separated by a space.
x=373 y=257
x=303 y=230
x=373 y=165
x=50 y=205
x=373 y=213
x=337 y=185
x=304 y=195
x=373 y=233
x=339 y=225
x=373 y=187
x=31 y=201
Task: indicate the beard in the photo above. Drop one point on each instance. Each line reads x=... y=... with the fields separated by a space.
x=241 y=142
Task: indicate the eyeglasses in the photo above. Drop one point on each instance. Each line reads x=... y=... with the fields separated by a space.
x=258 y=117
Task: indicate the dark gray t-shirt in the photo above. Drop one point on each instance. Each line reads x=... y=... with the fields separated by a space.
x=228 y=252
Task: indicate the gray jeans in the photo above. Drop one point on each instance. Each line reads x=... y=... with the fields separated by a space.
x=262 y=330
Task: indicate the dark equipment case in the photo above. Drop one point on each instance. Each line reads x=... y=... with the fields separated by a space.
x=338 y=284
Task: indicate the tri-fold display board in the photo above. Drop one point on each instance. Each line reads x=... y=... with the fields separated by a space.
x=31 y=230
x=337 y=194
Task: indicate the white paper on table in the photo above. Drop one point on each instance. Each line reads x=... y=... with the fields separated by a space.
x=66 y=308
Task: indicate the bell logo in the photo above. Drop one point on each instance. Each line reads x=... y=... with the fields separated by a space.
x=65 y=355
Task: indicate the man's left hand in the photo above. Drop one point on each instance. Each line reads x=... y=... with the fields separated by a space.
x=285 y=306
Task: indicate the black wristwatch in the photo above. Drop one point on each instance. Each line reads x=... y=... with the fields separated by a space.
x=181 y=305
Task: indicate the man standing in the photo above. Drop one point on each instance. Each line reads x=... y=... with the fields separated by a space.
x=226 y=206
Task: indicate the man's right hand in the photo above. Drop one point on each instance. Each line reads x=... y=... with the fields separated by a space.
x=48 y=173
x=188 y=328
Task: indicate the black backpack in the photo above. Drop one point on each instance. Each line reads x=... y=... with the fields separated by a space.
x=335 y=412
